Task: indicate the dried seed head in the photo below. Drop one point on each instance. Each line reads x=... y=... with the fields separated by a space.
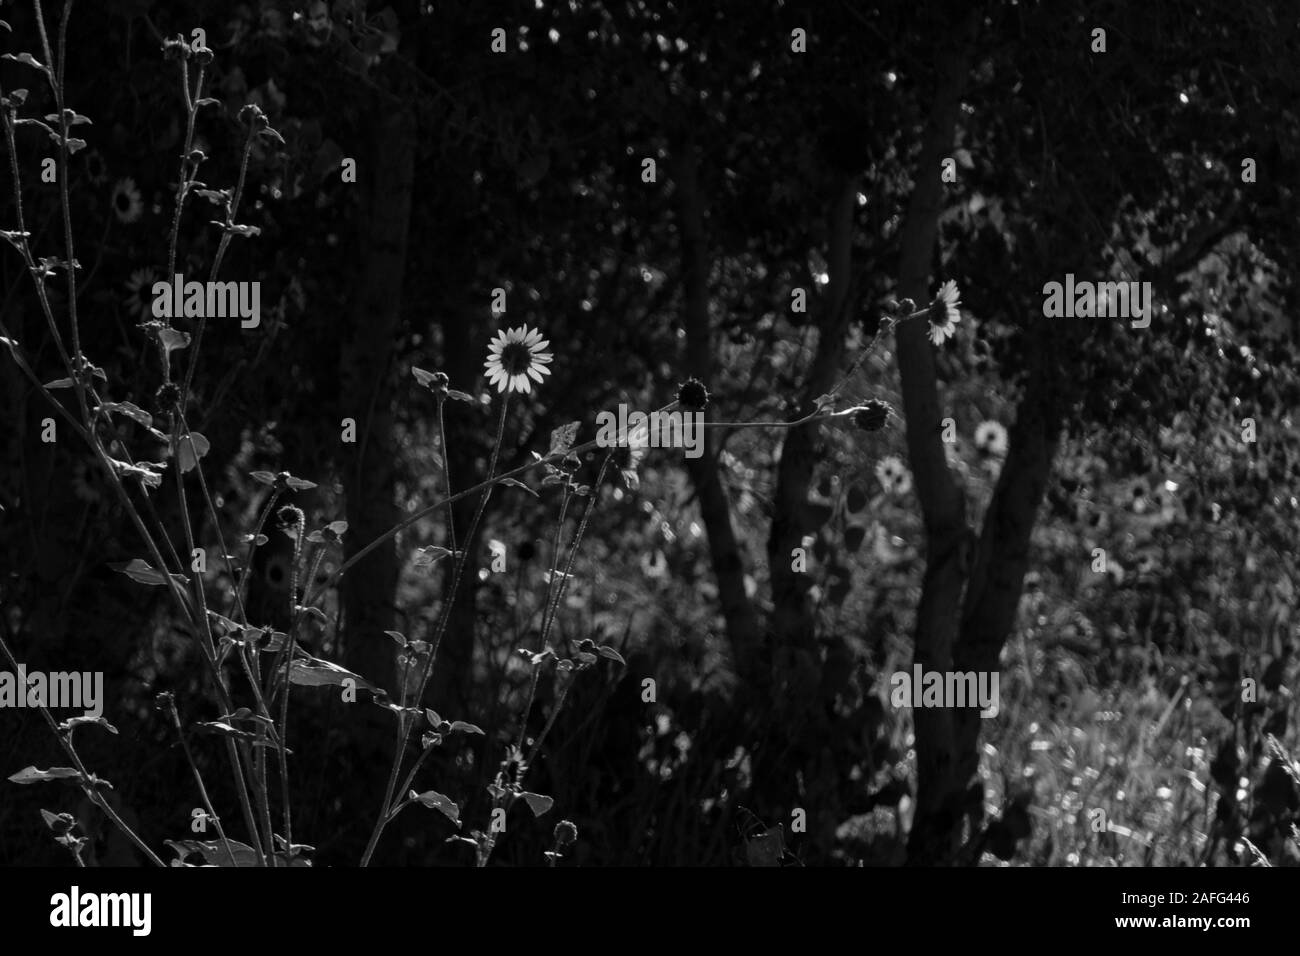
x=692 y=395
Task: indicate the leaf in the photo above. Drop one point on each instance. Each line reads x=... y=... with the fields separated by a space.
x=314 y=672
x=32 y=775
x=58 y=822
x=73 y=722
x=220 y=729
x=537 y=802
x=131 y=411
x=562 y=438
x=173 y=340
x=74 y=118
x=432 y=554
x=214 y=852
x=299 y=484
x=423 y=377
x=465 y=728
x=220 y=197
x=611 y=655
x=436 y=801
x=190 y=449
x=767 y=848
x=75 y=144
x=265 y=477
x=149 y=473
x=398 y=637
x=59 y=383
x=235 y=229
x=516 y=483
x=25 y=58
x=461 y=396
x=139 y=571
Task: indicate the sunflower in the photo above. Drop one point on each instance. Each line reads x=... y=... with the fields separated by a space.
x=96 y=168
x=991 y=438
x=140 y=299
x=894 y=476
x=126 y=200
x=514 y=356
x=944 y=314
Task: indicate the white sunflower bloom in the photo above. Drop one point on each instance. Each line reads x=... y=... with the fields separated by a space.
x=516 y=355
x=944 y=314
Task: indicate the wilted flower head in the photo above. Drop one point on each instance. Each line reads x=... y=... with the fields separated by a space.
x=872 y=416
x=516 y=355
x=944 y=314
x=565 y=834
x=692 y=395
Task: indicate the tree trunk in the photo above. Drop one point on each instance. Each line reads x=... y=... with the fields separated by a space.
x=737 y=610
x=366 y=381
x=793 y=622
x=949 y=539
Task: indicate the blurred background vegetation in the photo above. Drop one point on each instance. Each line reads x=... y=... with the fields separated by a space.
x=775 y=170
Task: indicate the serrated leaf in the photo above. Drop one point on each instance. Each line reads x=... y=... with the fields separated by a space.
x=130 y=410
x=538 y=803
x=563 y=437
x=436 y=801
x=32 y=775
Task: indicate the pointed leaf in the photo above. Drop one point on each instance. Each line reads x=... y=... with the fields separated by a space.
x=516 y=483
x=32 y=775
x=435 y=800
x=537 y=802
